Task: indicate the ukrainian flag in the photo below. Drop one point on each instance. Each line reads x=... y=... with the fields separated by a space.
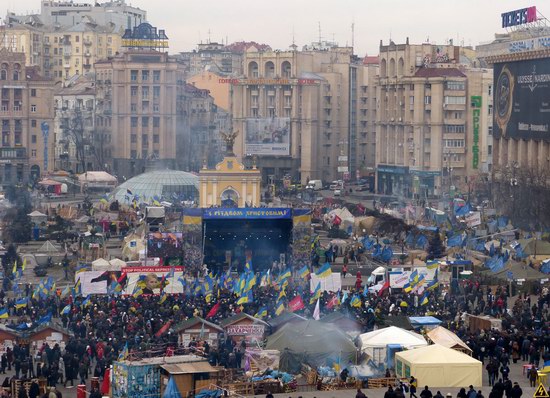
x=281 y=294
x=304 y=272
x=316 y=294
x=21 y=303
x=432 y=265
x=86 y=302
x=66 y=310
x=123 y=353
x=413 y=279
x=355 y=301
x=407 y=288
x=421 y=280
x=251 y=282
x=424 y=299
x=4 y=313
x=286 y=274
x=163 y=297
x=433 y=285
x=78 y=287
x=262 y=313
x=245 y=299
x=279 y=308
x=324 y=271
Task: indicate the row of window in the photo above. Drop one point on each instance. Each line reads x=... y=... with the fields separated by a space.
x=450 y=128
x=145 y=121
x=145 y=91
x=454 y=85
x=454 y=100
x=144 y=138
x=454 y=143
x=144 y=75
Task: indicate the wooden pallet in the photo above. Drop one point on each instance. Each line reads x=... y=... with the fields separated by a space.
x=382 y=382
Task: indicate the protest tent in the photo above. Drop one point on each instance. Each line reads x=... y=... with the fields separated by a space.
x=311 y=342
x=421 y=322
x=101 y=265
x=117 y=264
x=446 y=338
x=382 y=344
x=438 y=366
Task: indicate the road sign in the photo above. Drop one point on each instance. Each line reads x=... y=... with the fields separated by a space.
x=510 y=275
x=541 y=392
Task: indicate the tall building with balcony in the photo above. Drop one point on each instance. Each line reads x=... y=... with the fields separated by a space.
x=141 y=106
x=79 y=147
x=26 y=113
x=433 y=117
x=117 y=13
x=300 y=113
x=66 y=38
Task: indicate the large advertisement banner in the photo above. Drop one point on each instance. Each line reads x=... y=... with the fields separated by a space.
x=522 y=100
x=268 y=136
x=148 y=279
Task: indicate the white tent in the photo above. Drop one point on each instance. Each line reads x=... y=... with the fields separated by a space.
x=48 y=247
x=101 y=265
x=438 y=366
x=448 y=339
x=117 y=264
x=38 y=217
x=344 y=215
x=377 y=343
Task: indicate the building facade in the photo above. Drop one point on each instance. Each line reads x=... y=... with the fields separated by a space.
x=68 y=13
x=427 y=100
x=74 y=127
x=67 y=38
x=141 y=106
x=300 y=112
x=27 y=121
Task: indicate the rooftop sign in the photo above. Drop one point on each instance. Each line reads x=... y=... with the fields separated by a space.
x=519 y=17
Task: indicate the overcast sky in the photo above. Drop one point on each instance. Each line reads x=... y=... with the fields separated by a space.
x=187 y=22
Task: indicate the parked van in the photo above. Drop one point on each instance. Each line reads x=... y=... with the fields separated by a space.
x=316 y=185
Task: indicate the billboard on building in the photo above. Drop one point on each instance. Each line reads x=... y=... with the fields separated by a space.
x=268 y=136
x=522 y=100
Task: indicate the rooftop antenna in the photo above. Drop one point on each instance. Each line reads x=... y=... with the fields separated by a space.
x=353 y=34
x=293 y=38
x=319 y=32
x=209 y=35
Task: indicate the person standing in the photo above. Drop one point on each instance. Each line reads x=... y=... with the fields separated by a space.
x=516 y=391
x=413 y=384
x=426 y=393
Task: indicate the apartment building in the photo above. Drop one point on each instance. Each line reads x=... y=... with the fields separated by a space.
x=300 y=113
x=117 y=13
x=67 y=38
x=220 y=58
x=26 y=113
x=76 y=138
x=433 y=119
x=141 y=106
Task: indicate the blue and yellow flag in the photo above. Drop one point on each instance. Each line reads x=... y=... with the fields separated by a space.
x=66 y=310
x=424 y=299
x=407 y=288
x=163 y=296
x=86 y=302
x=432 y=265
x=124 y=353
x=78 y=287
x=282 y=294
x=316 y=293
x=21 y=303
x=250 y=283
x=279 y=308
x=4 y=313
x=355 y=301
x=324 y=271
x=262 y=313
x=304 y=272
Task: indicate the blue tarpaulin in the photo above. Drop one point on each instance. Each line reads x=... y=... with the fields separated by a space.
x=418 y=322
x=172 y=390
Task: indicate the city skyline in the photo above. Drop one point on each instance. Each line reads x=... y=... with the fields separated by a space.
x=305 y=21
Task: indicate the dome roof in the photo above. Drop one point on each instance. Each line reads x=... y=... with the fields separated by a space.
x=166 y=185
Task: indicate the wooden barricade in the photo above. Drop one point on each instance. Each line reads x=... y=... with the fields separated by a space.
x=382 y=382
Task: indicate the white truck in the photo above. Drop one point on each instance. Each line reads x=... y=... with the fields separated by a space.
x=398 y=276
x=316 y=185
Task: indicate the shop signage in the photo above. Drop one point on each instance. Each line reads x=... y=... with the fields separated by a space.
x=244 y=330
x=145 y=36
x=476 y=112
x=519 y=17
x=273 y=213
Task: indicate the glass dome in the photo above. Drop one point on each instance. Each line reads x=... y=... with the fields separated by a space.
x=168 y=185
